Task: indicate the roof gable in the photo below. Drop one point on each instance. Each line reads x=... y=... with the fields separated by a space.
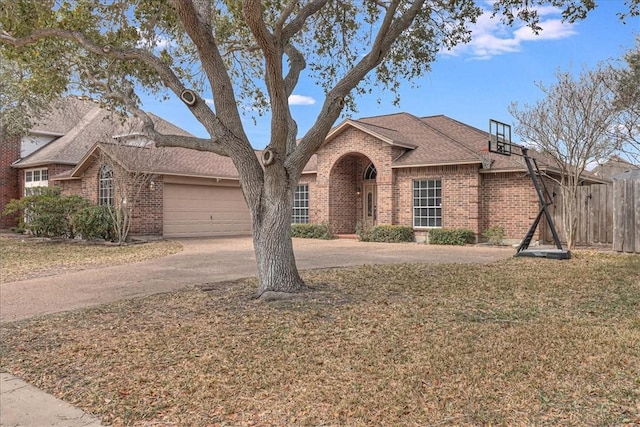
x=160 y=161
x=86 y=124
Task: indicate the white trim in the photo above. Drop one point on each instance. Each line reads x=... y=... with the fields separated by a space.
x=32 y=182
x=424 y=165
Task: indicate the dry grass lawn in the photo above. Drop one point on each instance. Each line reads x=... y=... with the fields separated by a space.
x=25 y=258
x=519 y=342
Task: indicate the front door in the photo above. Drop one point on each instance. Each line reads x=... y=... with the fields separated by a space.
x=370 y=203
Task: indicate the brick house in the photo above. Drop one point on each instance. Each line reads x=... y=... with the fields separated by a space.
x=393 y=169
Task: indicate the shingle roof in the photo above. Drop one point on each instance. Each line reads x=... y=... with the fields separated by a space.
x=172 y=161
x=82 y=123
x=432 y=146
x=474 y=139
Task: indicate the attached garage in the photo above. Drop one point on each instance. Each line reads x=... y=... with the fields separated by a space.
x=203 y=209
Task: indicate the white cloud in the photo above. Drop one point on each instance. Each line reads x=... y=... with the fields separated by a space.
x=301 y=100
x=490 y=37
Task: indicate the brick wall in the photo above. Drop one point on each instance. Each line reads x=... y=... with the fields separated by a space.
x=460 y=194
x=343 y=197
x=336 y=200
x=147 y=216
x=509 y=200
x=9 y=187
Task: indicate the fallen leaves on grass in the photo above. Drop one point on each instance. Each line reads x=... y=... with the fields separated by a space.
x=519 y=342
x=26 y=258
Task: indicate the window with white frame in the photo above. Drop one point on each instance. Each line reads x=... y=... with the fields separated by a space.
x=34 y=179
x=427 y=203
x=105 y=186
x=300 y=214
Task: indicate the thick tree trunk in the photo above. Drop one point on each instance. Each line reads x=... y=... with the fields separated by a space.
x=273 y=247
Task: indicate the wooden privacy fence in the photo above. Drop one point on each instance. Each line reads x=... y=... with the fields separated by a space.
x=595 y=215
x=626 y=212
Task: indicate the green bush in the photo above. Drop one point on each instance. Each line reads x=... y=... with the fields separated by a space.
x=494 y=234
x=311 y=231
x=450 y=236
x=384 y=233
x=364 y=231
x=48 y=214
x=94 y=222
x=392 y=233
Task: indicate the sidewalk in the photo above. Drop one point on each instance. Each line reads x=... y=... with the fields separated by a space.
x=201 y=261
x=24 y=405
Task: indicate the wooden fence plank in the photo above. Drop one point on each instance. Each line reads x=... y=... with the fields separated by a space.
x=636 y=212
x=619 y=198
x=628 y=208
x=594 y=209
x=583 y=215
x=609 y=214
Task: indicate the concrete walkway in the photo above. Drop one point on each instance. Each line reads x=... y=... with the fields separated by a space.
x=201 y=261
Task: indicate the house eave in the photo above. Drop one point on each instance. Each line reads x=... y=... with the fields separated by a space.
x=331 y=135
x=17 y=165
x=186 y=175
x=44 y=133
x=448 y=163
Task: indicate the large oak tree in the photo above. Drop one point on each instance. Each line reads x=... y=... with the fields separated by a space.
x=248 y=53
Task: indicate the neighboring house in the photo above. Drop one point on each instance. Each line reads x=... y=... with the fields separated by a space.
x=615 y=165
x=394 y=169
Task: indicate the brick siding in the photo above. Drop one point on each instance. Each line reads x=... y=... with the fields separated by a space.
x=147 y=216
x=9 y=187
x=509 y=200
x=460 y=194
x=469 y=199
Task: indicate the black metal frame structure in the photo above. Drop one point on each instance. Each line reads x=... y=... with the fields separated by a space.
x=500 y=143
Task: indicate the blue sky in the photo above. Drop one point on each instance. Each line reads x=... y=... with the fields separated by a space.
x=475 y=82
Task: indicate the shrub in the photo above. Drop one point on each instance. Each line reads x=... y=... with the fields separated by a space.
x=384 y=233
x=451 y=236
x=311 y=231
x=47 y=214
x=494 y=234
x=392 y=233
x=94 y=222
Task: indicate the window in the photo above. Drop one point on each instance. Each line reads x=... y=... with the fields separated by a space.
x=34 y=179
x=105 y=186
x=427 y=203
x=370 y=173
x=301 y=205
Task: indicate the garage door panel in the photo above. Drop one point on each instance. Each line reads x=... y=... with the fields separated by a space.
x=191 y=210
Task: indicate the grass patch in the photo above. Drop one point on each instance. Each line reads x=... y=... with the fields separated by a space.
x=519 y=342
x=26 y=258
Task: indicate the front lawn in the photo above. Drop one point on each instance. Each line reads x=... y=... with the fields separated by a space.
x=24 y=257
x=518 y=342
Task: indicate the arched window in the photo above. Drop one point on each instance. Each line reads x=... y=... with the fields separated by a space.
x=370 y=172
x=105 y=186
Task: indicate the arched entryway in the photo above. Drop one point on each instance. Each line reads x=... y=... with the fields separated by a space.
x=352 y=193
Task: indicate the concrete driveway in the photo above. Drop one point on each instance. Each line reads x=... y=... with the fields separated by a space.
x=208 y=261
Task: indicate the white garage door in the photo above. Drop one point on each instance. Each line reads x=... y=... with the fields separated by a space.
x=204 y=211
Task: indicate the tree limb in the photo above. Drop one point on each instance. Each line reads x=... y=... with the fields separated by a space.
x=298 y=22
x=168 y=77
x=390 y=29
x=196 y=22
x=148 y=126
